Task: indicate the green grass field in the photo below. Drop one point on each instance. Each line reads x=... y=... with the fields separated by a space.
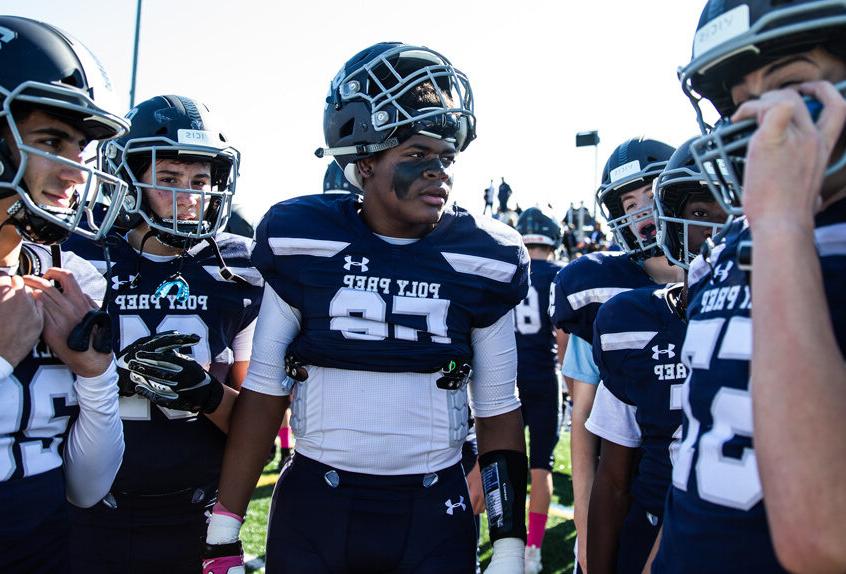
x=557 y=546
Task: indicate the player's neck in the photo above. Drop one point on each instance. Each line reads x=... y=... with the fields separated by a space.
x=662 y=271
x=151 y=246
x=540 y=253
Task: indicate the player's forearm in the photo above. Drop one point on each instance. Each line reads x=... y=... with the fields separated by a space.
x=798 y=374
x=255 y=422
x=609 y=503
x=584 y=447
x=95 y=446
x=222 y=415
x=647 y=568
x=502 y=432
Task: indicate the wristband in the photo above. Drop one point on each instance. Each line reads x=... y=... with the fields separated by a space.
x=504 y=477
x=224 y=526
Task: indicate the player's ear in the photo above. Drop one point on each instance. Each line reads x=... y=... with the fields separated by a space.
x=365 y=167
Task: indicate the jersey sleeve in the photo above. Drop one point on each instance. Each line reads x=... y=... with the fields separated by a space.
x=610 y=359
x=579 y=363
x=613 y=420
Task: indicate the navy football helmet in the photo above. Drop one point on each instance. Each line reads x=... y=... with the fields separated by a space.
x=538 y=228
x=679 y=183
x=367 y=111
x=734 y=38
x=176 y=128
x=635 y=163
x=43 y=68
x=336 y=182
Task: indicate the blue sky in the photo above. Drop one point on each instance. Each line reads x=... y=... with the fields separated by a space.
x=540 y=71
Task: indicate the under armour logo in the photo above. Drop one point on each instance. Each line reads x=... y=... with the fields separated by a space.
x=721 y=272
x=450 y=506
x=6 y=35
x=658 y=351
x=117 y=283
x=350 y=263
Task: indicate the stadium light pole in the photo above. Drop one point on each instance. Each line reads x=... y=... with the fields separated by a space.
x=135 y=55
x=586 y=139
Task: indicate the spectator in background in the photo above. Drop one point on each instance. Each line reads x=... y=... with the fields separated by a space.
x=504 y=195
x=489 y=197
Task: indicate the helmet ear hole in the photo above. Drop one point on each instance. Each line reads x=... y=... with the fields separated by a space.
x=347 y=128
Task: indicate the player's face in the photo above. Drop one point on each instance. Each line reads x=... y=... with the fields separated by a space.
x=789 y=72
x=706 y=212
x=50 y=182
x=411 y=183
x=638 y=203
x=177 y=174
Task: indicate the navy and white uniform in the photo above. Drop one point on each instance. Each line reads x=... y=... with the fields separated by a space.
x=173 y=458
x=375 y=319
x=584 y=284
x=637 y=344
x=716 y=517
x=537 y=381
x=52 y=422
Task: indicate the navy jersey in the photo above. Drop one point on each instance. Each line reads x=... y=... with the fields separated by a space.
x=536 y=345
x=168 y=450
x=355 y=290
x=637 y=347
x=38 y=404
x=716 y=517
x=588 y=282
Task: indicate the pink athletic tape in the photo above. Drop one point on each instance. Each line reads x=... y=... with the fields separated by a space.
x=218 y=508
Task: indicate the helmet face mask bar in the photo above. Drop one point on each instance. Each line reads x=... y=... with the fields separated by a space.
x=674 y=189
x=367 y=107
x=721 y=156
x=37 y=80
x=214 y=205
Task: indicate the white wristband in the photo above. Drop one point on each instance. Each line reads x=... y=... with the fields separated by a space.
x=223 y=529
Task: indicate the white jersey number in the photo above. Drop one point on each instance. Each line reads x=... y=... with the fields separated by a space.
x=727 y=481
x=362 y=315
x=527 y=314
x=50 y=383
x=132 y=328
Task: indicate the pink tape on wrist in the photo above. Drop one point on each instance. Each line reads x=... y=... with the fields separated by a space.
x=221 y=565
x=218 y=508
x=285 y=437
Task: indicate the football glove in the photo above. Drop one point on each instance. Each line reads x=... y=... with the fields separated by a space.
x=507 y=557
x=223 y=553
x=154 y=368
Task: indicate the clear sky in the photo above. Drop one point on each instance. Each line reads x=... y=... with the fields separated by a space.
x=540 y=71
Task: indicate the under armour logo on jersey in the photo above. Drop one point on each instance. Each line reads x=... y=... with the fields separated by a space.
x=721 y=272
x=658 y=351
x=6 y=36
x=350 y=263
x=117 y=283
x=450 y=506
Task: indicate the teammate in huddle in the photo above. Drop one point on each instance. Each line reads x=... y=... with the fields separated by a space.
x=749 y=495
x=380 y=308
x=170 y=272
x=60 y=433
x=539 y=356
x=637 y=344
x=586 y=283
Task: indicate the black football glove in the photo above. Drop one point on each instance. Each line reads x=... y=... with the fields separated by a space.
x=153 y=368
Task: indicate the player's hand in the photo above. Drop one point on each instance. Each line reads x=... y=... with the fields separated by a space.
x=22 y=317
x=223 y=553
x=63 y=310
x=223 y=559
x=788 y=154
x=508 y=557
x=153 y=368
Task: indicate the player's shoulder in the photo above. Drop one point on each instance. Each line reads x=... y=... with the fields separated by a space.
x=236 y=251
x=89 y=278
x=308 y=217
x=631 y=309
x=545 y=270
x=463 y=231
x=720 y=258
x=593 y=269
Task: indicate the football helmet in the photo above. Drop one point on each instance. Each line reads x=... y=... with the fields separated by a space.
x=680 y=182
x=367 y=108
x=175 y=128
x=336 y=182
x=635 y=163
x=43 y=68
x=538 y=228
x=734 y=38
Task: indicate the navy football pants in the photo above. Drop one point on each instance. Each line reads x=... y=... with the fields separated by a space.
x=636 y=539
x=542 y=414
x=325 y=520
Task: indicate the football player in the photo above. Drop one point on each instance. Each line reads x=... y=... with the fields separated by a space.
x=170 y=272
x=637 y=342
x=582 y=286
x=60 y=433
x=539 y=356
x=380 y=309
x=749 y=495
